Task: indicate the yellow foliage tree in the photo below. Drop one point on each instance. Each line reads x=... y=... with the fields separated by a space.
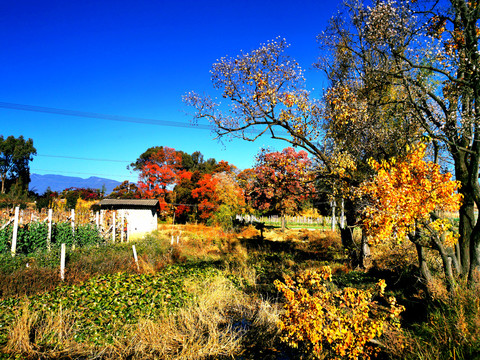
x=406 y=200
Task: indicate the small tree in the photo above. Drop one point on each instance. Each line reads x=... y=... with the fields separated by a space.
x=334 y=323
x=207 y=196
x=230 y=198
x=282 y=181
x=407 y=199
x=15 y=154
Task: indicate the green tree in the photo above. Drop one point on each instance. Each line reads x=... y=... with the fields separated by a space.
x=15 y=155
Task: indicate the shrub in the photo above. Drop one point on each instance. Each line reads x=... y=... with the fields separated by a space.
x=342 y=323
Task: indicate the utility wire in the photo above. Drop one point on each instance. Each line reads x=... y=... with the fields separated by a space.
x=82 y=158
x=121 y=118
x=49 y=110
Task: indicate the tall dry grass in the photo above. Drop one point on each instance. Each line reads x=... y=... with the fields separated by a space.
x=450 y=332
x=208 y=328
x=44 y=335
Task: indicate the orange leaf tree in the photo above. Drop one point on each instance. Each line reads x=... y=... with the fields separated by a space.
x=207 y=196
x=264 y=92
x=230 y=198
x=406 y=200
x=283 y=180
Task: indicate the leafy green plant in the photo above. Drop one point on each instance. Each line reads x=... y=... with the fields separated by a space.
x=103 y=305
x=87 y=234
x=5 y=239
x=33 y=236
x=63 y=233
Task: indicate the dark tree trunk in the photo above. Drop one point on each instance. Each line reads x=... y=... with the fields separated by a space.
x=347 y=235
x=447 y=263
x=422 y=264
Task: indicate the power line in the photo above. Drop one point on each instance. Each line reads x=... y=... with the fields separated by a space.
x=84 y=114
x=121 y=118
x=82 y=158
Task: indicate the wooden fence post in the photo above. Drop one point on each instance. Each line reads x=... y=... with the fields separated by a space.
x=128 y=232
x=49 y=236
x=62 y=262
x=15 y=232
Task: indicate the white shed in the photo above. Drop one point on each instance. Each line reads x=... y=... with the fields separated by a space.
x=141 y=214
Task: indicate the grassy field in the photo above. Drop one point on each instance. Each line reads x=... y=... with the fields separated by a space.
x=209 y=296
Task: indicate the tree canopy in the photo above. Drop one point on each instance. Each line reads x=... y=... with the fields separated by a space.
x=15 y=155
x=398 y=71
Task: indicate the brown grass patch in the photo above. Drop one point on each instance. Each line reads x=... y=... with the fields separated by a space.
x=43 y=335
x=393 y=256
x=212 y=327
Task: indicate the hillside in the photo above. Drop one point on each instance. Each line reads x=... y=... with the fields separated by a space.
x=40 y=183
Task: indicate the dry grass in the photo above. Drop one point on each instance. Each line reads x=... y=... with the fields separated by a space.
x=451 y=331
x=206 y=329
x=44 y=335
x=394 y=256
x=216 y=325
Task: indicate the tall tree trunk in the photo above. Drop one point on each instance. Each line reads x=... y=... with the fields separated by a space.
x=466 y=212
x=446 y=261
x=474 y=272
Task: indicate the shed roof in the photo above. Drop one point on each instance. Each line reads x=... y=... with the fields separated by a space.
x=129 y=202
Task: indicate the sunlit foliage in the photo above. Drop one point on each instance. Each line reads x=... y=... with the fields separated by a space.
x=405 y=193
x=341 y=323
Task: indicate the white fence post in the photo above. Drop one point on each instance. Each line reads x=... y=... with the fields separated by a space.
x=342 y=216
x=101 y=218
x=97 y=220
x=62 y=262
x=114 y=225
x=122 y=233
x=49 y=235
x=15 y=232
x=334 y=204
x=72 y=219
x=135 y=257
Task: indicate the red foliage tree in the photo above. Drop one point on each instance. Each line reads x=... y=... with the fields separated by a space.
x=207 y=196
x=126 y=190
x=282 y=181
x=159 y=173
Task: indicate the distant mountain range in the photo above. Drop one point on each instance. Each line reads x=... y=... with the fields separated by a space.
x=40 y=183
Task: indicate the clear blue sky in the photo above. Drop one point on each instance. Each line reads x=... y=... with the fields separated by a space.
x=133 y=59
